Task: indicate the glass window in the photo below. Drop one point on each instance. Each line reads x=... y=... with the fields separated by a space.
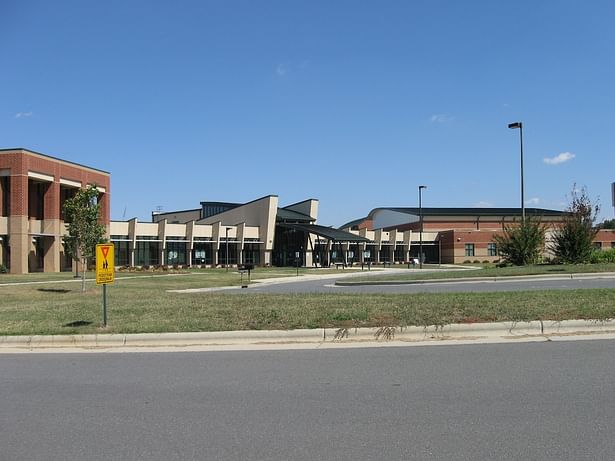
x=202 y=253
x=122 y=253
x=251 y=253
x=147 y=253
x=232 y=253
x=469 y=249
x=176 y=252
x=492 y=249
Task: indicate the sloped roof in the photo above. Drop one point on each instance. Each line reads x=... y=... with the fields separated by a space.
x=329 y=233
x=352 y=223
x=472 y=211
x=293 y=216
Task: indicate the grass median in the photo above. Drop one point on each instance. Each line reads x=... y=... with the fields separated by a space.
x=143 y=304
x=491 y=270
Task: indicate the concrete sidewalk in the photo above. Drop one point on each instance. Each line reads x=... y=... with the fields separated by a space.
x=315 y=338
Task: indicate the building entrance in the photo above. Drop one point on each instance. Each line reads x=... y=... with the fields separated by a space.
x=287 y=245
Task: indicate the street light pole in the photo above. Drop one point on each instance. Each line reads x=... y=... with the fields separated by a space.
x=227 y=229
x=514 y=126
x=421 y=226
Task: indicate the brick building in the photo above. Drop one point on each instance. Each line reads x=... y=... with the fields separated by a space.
x=33 y=189
x=450 y=235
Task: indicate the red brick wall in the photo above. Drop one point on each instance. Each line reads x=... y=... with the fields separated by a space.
x=21 y=161
x=606 y=237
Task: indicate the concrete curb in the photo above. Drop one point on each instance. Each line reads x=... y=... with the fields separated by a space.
x=475 y=331
x=512 y=278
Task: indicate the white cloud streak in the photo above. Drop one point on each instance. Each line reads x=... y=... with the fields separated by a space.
x=533 y=201
x=23 y=114
x=440 y=118
x=559 y=158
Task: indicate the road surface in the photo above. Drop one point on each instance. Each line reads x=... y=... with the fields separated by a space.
x=548 y=401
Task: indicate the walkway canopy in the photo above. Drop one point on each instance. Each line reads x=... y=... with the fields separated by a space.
x=329 y=233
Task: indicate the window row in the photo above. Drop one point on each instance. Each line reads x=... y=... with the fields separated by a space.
x=149 y=253
x=492 y=249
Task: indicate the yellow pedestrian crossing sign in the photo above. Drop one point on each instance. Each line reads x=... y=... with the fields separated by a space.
x=105 y=270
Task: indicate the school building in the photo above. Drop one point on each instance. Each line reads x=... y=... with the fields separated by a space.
x=263 y=232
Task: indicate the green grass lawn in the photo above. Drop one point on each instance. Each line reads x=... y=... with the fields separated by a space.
x=143 y=304
x=215 y=277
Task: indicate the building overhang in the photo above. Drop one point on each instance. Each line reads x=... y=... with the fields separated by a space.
x=328 y=233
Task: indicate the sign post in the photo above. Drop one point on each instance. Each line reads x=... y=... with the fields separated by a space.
x=105 y=271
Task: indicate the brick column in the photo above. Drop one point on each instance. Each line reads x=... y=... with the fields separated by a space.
x=18 y=225
x=51 y=225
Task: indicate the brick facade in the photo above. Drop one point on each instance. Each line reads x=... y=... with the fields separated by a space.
x=31 y=218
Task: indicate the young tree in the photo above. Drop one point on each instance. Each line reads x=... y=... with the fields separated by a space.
x=573 y=242
x=522 y=244
x=82 y=214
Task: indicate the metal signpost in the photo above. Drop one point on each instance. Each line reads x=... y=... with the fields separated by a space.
x=105 y=271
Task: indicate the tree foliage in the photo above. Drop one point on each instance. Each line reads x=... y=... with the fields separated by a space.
x=82 y=214
x=606 y=224
x=522 y=244
x=573 y=242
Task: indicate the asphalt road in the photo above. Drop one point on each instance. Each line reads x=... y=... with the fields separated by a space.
x=548 y=401
x=328 y=286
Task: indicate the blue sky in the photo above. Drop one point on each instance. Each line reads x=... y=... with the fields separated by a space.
x=353 y=103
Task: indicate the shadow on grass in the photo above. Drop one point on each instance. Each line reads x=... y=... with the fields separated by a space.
x=54 y=290
x=78 y=323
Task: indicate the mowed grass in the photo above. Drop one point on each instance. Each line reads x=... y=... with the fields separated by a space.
x=143 y=304
x=215 y=277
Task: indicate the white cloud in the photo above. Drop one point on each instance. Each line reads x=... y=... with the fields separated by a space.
x=440 y=118
x=23 y=114
x=559 y=158
x=483 y=204
x=533 y=201
x=282 y=69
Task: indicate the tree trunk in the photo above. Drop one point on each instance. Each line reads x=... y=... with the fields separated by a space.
x=83 y=270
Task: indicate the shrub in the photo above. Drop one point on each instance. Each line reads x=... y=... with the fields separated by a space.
x=602 y=256
x=3 y=269
x=522 y=244
x=573 y=242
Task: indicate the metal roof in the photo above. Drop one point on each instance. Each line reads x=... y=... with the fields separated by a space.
x=472 y=211
x=329 y=233
x=293 y=216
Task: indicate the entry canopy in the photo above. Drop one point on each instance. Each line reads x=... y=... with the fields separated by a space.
x=327 y=232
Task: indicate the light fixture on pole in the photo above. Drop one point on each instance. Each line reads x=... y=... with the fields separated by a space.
x=227 y=229
x=421 y=226
x=514 y=126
